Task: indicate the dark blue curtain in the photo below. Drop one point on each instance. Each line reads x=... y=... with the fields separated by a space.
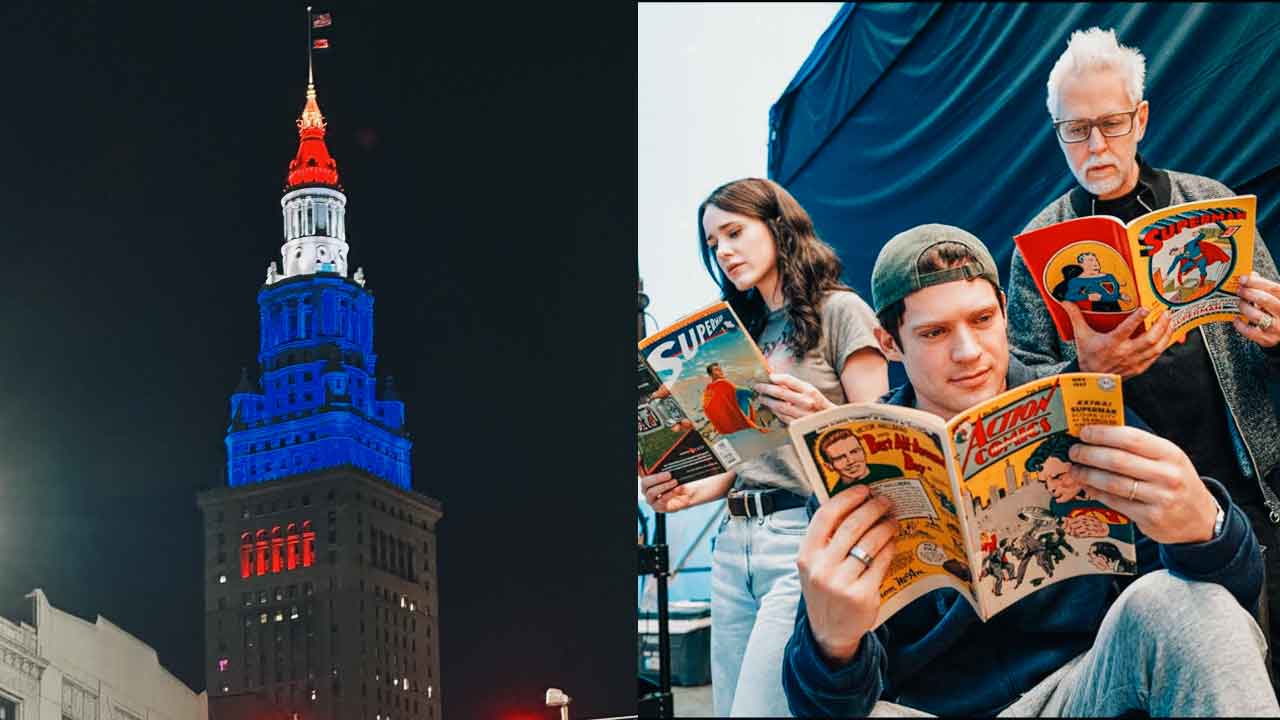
x=912 y=113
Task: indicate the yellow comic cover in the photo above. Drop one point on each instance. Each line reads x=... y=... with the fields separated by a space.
x=986 y=504
x=1188 y=260
x=1034 y=524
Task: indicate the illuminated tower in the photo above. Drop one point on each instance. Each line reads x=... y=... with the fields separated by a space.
x=320 y=557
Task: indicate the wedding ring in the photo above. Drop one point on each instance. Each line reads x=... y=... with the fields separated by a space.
x=1265 y=322
x=858 y=553
x=1133 y=489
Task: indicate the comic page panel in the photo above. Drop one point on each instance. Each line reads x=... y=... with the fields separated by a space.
x=710 y=365
x=1191 y=257
x=665 y=436
x=906 y=464
x=1035 y=524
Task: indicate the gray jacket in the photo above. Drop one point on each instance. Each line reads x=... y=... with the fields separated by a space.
x=1242 y=367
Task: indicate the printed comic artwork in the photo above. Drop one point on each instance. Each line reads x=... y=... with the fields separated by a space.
x=1192 y=263
x=1051 y=520
x=1093 y=275
x=844 y=454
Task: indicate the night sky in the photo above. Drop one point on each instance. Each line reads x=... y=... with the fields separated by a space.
x=488 y=159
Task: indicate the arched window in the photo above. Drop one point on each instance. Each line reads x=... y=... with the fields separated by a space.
x=246 y=555
x=292 y=550
x=277 y=544
x=260 y=562
x=308 y=544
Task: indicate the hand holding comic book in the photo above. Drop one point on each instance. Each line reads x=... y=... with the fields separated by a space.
x=1118 y=351
x=665 y=494
x=791 y=398
x=1258 y=315
x=987 y=503
x=841 y=591
x=1147 y=478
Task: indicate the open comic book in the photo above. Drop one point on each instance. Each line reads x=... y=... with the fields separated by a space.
x=984 y=503
x=1186 y=259
x=698 y=413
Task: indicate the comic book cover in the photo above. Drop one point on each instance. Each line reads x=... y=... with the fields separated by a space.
x=985 y=503
x=709 y=366
x=1185 y=259
x=1034 y=525
x=1085 y=261
x=1188 y=259
x=665 y=436
x=899 y=453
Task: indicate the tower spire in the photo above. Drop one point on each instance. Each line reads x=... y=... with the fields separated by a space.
x=312 y=165
x=314 y=206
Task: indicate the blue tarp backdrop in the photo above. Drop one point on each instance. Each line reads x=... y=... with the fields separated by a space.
x=918 y=112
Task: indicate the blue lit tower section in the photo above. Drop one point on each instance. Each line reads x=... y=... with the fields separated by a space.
x=315 y=404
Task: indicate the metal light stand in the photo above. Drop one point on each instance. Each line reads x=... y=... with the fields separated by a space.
x=653 y=561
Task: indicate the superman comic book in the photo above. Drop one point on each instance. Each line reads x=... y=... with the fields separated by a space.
x=1185 y=259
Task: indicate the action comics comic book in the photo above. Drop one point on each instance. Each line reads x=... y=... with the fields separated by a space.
x=1185 y=259
x=984 y=503
x=704 y=369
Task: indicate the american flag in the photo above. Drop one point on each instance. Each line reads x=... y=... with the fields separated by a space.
x=321 y=20
x=320 y=44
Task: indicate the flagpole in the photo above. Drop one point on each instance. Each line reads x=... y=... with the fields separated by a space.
x=310 y=77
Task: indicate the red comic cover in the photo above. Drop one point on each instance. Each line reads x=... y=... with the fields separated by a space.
x=1085 y=261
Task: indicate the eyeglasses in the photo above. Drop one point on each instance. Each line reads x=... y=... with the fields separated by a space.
x=1113 y=125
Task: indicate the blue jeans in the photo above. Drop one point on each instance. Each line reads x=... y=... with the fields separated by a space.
x=1167 y=646
x=755 y=589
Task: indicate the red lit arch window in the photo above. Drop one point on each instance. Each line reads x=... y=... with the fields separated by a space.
x=246 y=555
x=277 y=544
x=291 y=550
x=260 y=565
x=308 y=544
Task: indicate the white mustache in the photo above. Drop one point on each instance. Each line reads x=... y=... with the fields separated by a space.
x=1099 y=162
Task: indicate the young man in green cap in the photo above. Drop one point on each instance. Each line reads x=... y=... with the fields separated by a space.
x=1179 y=640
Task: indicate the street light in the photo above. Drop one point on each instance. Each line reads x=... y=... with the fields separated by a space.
x=557 y=698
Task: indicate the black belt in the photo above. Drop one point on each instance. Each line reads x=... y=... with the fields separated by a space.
x=758 y=503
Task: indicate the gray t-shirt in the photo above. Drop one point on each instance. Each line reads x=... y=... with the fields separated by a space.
x=847 y=326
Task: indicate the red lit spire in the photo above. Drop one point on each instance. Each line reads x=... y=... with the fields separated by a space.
x=313 y=165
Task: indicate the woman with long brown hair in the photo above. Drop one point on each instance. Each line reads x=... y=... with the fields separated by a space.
x=760 y=247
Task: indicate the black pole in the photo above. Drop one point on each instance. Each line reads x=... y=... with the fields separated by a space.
x=654 y=561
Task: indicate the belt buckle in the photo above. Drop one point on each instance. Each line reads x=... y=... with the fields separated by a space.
x=740 y=501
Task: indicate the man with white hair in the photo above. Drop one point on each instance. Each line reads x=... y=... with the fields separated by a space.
x=1223 y=416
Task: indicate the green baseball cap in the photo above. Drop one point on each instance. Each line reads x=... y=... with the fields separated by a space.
x=895 y=275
